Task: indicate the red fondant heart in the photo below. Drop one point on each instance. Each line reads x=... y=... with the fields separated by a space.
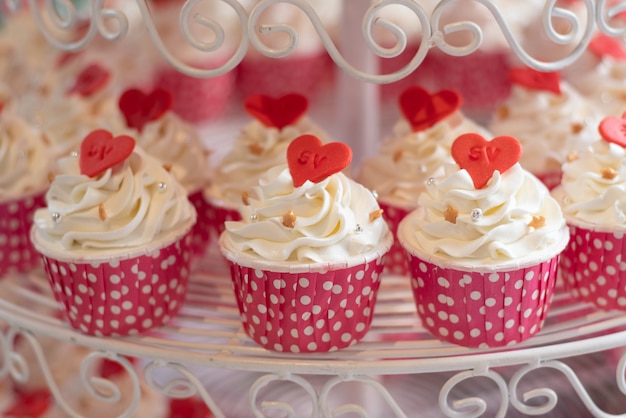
x=90 y=80
x=606 y=46
x=536 y=80
x=481 y=158
x=139 y=108
x=423 y=109
x=277 y=112
x=189 y=408
x=100 y=150
x=613 y=129
x=309 y=159
x=32 y=404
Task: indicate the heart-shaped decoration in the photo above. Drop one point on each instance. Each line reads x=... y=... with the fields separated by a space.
x=30 y=403
x=277 y=112
x=100 y=151
x=606 y=46
x=536 y=80
x=423 y=109
x=139 y=108
x=309 y=159
x=90 y=80
x=613 y=129
x=481 y=158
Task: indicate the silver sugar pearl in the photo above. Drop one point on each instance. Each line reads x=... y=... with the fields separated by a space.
x=162 y=186
x=358 y=229
x=423 y=169
x=73 y=154
x=56 y=217
x=430 y=181
x=565 y=200
x=375 y=194
x=476 y=214
x=253 y=217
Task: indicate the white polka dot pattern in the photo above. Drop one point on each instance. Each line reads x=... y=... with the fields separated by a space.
x=476 y=309
x=16 y=218
x=123 y=296
x=307 y=312
x=593 y=267
x=201 y=231
x=396 y=260
x=215 y=216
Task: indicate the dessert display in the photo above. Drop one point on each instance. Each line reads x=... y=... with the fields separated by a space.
x=484 y=246
x=550 y=119
x=415 y=151
x=592 y=197
x=116 y=224
x=306 y=258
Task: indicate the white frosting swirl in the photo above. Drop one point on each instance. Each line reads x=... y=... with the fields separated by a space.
x=407 y=159
x=256 y=150
x=177 y=143
x=24 y=157
x=502 y=234
x=549 y=126
x=326 y=218
x=137 y=211
x=587 y=194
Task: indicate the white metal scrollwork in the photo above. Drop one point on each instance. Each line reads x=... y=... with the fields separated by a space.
x=286 y=409
x=472 y=407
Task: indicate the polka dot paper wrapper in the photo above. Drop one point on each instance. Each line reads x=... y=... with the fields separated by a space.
x=319 y=309
x=396 y=260
x=123 y=295
x=216 y=213
x=17 y=254
x=201 y=231
x=551 y=179
x=593 y=267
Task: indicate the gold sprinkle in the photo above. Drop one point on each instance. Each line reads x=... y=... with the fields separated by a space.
x=577 y=128
x=608 y=173
x=537 y=222
x=167 y=167
x=289 y=219
x=45 y=139
x=244 y=198
x=375 y=214
x=51 y=176
x=101 y=212
x=397 y=155
x=503 y=112
x=255 y=149
x=622 y=96
x=450 y=214
x=572 y=156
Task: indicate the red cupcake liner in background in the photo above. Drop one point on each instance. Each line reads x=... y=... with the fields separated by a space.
x=480 y=77
x=215 y=215
x=483 y=309
x=17 y=254
x=396 y=261
x=120 y=297
x=303 y=74
x=593 y=267
x=551 y=179
x=197 y=100
x=201 y=231
x=308 y=311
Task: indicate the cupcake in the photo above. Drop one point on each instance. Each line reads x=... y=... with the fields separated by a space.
x=593 y=201
x=415 y=151
x=484 y=246
x=306 y=259
x=261 y=145
x=176 y=143
x=24 y=177
x=117 y=225
x=550 y=119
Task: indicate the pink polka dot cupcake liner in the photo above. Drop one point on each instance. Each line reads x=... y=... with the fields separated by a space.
x=312 y=308
x=593 y=267
x=123 y=295
x=483 y=309
x=396 y=261
x=17 y=254
x=216 y=213
x=551 y=178
x=201 y=231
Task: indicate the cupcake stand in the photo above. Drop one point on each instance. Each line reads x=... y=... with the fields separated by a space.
x=576 y=366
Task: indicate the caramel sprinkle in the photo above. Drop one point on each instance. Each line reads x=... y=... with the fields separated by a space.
x=397 y=155
x=537 y=222
x=45 y=139
x=289 y=219
x=608 y=173
x=167 y=167
x=375 y=214
x=572 y=156
x=450 y=214
x=101 y=212
x=51 y=176
x=577 y=127
x=244 y=198
x=503 y=112
x=255 y=149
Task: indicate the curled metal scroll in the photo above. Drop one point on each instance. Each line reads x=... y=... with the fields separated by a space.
x=549 y=13
x=184 y=385
x=472 y=407
x=284 y=408
x=550 y=396
x=355 y=409
x=605 y=13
